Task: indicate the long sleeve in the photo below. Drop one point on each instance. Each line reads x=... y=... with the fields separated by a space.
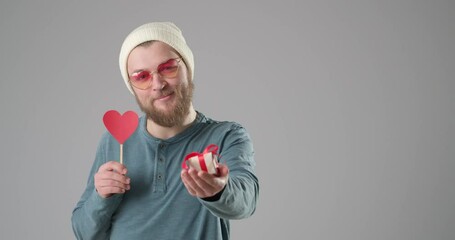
x=91 y=217
x=239 y=197
x=158 y=204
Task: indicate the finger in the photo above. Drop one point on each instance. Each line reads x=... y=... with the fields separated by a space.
x=113 y=166
x=107 y=188
x=106 y=183
x=107 y=180
x=185 y=180
x=200 y=183
x=110 y=180
x=113 y=176
x=109 y=191
x=216 y=184
x=205 y=177
x=192 y=182
x=223 y=170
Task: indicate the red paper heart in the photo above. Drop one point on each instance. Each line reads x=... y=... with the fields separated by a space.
x=121 y=126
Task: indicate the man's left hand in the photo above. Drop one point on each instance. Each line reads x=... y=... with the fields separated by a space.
x=203 y=184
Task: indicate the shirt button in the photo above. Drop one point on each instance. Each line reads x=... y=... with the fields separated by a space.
x=161 y=159
x=159 y=176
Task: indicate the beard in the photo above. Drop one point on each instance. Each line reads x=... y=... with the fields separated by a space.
x=176 y=116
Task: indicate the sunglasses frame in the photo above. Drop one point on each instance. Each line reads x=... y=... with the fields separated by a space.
x=178 y=59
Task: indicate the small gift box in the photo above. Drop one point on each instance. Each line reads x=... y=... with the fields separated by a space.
x=206 y=161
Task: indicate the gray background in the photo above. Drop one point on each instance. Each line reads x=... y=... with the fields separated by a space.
x=350 y=105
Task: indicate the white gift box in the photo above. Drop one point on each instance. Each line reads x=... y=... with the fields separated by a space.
x=207 y=162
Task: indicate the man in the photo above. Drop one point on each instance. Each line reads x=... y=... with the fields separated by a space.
x=151 y=196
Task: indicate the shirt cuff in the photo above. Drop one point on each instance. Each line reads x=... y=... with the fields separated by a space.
x=215 y=197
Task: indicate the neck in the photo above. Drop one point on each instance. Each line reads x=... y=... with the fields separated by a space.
x=161 y=132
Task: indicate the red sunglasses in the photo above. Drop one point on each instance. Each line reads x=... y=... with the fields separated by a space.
x=142 y=79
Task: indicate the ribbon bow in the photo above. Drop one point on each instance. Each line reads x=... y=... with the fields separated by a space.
x=212 y=148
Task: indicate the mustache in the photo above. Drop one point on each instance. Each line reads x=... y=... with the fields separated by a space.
x=165 y=92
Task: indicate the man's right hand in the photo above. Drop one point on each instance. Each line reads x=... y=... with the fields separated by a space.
x=111 y=179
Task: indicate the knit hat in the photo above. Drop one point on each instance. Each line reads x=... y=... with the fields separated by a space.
x=165 y=32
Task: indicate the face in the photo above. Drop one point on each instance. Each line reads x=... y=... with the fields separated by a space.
x=168 y=100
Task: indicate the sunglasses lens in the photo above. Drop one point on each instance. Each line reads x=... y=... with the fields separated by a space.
x=141 y=76
x=169 y=69
x=141 y=79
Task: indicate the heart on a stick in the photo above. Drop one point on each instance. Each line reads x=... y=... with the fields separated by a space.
x=121 y=127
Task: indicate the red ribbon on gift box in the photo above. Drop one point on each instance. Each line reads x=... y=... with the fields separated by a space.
x=210 y=148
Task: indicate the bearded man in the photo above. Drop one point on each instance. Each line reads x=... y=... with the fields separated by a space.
x=151 y=196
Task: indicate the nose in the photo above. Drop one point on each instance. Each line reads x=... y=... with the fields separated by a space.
x=158 y=82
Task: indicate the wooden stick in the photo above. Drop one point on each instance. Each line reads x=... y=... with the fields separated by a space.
x=121 y=153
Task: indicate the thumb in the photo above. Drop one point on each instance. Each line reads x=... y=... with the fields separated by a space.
x=222 y=170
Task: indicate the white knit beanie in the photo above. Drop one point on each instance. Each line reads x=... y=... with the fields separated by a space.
x=165 y=32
